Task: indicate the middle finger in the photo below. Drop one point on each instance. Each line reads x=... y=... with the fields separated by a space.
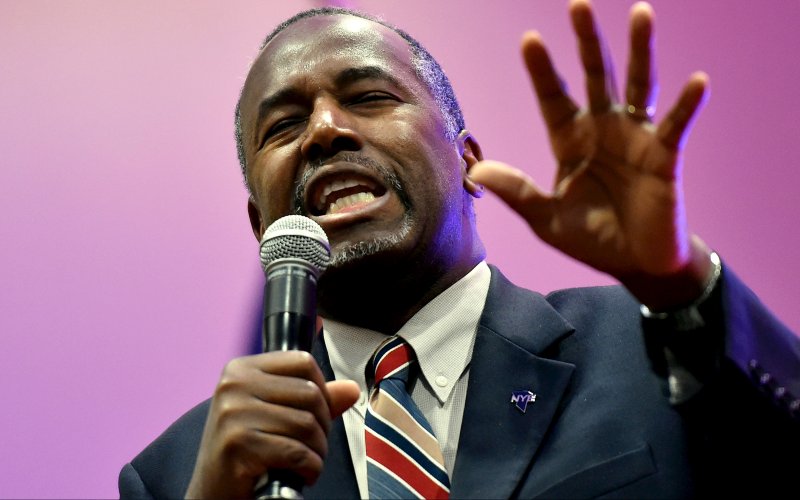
x=600 y=86
x=642 y=86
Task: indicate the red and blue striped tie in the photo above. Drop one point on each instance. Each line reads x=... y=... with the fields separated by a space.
x=404 y=459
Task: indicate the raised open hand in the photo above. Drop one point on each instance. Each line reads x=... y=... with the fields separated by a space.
x=617 y=204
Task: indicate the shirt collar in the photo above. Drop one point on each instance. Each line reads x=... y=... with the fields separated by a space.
x=442 y=335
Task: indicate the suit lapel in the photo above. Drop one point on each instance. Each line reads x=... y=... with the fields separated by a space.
x=338 y=478
x=498 y=441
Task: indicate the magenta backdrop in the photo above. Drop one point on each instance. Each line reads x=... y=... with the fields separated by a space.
x=129 y=272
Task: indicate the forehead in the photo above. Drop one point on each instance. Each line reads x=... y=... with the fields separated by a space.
x=312 y=50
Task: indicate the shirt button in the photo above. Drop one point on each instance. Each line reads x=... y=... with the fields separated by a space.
x=441 y=381
x=362 y=399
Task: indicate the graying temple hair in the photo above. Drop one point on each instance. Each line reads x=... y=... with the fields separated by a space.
x=428 y=71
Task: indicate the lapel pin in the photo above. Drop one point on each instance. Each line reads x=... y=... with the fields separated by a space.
x=520 y=399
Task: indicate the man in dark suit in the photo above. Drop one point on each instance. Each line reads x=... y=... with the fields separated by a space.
x=676 y=385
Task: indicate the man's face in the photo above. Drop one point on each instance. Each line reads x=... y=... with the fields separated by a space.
x=337 y=126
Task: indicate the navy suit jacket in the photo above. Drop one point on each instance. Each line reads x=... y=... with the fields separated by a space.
x=601 y=425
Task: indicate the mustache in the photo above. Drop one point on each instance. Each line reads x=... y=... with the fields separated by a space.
x=389 y=178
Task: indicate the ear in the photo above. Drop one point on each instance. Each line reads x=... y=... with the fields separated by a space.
x=470 y=152
x=256 y=222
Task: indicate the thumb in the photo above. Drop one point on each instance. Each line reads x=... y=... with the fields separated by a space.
x=513 y=186
x=343 y=394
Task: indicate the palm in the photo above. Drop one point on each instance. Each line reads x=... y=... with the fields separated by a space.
x=615 y=201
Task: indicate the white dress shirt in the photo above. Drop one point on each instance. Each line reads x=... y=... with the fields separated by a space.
x=442 y=335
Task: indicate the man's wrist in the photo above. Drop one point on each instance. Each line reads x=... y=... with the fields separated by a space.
x=688 y=317
x=676 y=290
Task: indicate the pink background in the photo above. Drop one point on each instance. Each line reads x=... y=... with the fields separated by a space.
x=129 y=273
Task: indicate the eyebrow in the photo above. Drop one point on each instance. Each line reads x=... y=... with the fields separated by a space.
x=352 y=75
x=345 y=77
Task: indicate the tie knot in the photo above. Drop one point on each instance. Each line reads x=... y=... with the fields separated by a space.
x=392 y=359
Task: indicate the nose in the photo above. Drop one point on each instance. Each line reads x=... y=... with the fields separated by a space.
x=330 y=131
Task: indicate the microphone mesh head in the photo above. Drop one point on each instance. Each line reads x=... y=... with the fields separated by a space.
x=295 y=237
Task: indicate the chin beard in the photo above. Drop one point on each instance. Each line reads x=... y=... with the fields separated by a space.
x=346 y=290
x=351 y=254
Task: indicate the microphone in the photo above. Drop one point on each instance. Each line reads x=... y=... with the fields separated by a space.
x=294 y=252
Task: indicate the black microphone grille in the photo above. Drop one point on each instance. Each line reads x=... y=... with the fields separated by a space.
x=295 y=237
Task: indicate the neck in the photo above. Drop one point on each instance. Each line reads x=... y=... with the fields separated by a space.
x=383 y=298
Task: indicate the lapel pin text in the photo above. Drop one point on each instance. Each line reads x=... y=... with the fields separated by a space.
x=520 y=399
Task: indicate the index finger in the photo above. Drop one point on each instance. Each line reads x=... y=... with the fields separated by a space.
x=296 y=366
x=556 y=105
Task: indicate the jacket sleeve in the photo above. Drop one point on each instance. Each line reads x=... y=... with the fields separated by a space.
x=743 y=416
x=736 y=332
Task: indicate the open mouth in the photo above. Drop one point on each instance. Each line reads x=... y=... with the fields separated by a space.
x=343 y=193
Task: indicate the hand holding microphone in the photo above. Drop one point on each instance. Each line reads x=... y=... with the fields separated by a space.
x=294 y=252
x=265 y=417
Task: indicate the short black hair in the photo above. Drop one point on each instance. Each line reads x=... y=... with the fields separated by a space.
x=426 y=67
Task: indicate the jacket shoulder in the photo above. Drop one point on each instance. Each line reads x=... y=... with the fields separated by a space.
x=165 y=466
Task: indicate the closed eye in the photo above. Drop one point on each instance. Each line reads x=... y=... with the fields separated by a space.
x=371 y=97
x=279 y=127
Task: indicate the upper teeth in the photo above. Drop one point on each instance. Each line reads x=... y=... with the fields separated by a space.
x=339 y=185
x=335 y=186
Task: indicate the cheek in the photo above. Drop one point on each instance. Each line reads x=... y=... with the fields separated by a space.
x=423 y=142
x=434 y=177
x=273 y=186
x=440 y=165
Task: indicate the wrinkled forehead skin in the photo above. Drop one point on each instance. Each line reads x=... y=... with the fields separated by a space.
x=307 y=52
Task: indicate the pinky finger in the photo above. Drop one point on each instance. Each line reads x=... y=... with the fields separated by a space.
x=674 y=128
x=286 y=454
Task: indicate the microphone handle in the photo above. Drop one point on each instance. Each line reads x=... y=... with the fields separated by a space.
x=290 y=318
x=302 y=327
x=279 y=484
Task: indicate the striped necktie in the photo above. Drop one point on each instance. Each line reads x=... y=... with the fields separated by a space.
x=404 y=459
